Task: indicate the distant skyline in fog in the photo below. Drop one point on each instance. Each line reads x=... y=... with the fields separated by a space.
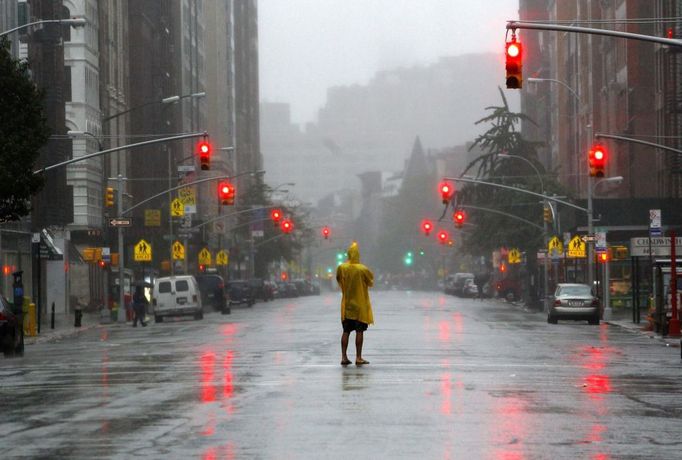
x=307 y=46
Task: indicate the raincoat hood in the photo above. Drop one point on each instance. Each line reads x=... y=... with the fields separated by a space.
x=353 y=253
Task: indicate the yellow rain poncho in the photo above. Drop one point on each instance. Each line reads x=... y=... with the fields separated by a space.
x=354 y=278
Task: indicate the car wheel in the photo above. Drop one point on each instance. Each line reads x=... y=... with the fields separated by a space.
x=226 y=311
x=199 y=315
x=158 y=319
x=552 y=320
x=594 y=321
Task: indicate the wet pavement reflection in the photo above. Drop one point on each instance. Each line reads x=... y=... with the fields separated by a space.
x=449 y=378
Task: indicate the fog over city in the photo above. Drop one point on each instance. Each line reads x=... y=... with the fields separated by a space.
x=354 y=39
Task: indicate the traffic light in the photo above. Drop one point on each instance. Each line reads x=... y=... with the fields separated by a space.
x=226 y=193
x=408 y=259
x=503 y=268
x=202 y=268
x=459 y=217
x=446 y=191
x=339 y=258
x=547 y=214
x=325 y=232
x=109 y=197
x=514 y=63
x=597 y=160
x=101 y=264
x=427 y=226
x=287 y=226
x=443 y=237
x=603 y=257
x=204 y=149
x=275 y=215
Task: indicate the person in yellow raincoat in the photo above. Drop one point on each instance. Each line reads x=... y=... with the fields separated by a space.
x=356 y=310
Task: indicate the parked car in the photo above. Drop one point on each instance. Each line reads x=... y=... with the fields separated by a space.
x=509 y=289
x=240 y=292
x=176 y=296
x=470 y=289
x=261 y=290
x=291 y=289
x=574 y=301
x=455 y=285
x=273 y=289
x=10 y=330
x=212 y=289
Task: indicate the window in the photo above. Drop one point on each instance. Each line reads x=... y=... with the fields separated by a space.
x=181 y=286
x=164 y=287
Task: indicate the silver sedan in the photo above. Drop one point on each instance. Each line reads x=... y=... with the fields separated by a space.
x=574 y=301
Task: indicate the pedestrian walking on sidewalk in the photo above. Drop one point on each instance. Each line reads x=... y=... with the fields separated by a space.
x=140 y=303
x=354 y=280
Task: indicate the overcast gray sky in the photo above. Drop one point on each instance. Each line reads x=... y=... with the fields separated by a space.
x=306 y=46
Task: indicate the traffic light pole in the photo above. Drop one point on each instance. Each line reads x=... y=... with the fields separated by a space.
x=121 y=318
x=513 y=25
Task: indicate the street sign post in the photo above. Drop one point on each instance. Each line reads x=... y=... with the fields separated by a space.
x=120 y=222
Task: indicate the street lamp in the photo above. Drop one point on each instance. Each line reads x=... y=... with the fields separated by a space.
x=545 y=268
x=73 y=22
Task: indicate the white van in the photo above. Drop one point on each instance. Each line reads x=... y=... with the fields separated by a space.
x=176 y=296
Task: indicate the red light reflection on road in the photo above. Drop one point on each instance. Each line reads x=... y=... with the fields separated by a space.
x=597 y=384
x=510 y=428
x=207 y=364
x=444 y=331
x=228 y=329
x=446 y=391
x=225 y=452
x=228 y=385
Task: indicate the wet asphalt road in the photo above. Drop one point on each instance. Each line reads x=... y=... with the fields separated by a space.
x=449 y=379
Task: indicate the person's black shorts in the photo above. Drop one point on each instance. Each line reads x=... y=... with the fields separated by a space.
x=350 y=325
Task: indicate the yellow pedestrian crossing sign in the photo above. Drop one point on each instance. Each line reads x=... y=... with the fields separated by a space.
x=576 y=247
x=514 y=256
x=177 y=208
x=205 y=257
x=221 y=258
x=555 y=247
x=143 y=251
x=178 y=251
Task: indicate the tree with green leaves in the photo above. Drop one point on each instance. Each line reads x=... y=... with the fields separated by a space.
x=23 y=131
x=494 y=230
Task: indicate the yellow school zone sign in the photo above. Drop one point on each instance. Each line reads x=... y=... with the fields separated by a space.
x=221 y=258
x=576 y=248
x=177 y=208
x=178 y=251
x=205 y=257
x=514 y=256
x=143 y=252
x=555 y=247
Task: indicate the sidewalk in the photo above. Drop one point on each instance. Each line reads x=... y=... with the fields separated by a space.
x=625 y=323
x=63 y=327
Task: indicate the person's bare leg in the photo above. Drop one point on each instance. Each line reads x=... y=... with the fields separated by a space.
x=359 y=337
x=344 y=348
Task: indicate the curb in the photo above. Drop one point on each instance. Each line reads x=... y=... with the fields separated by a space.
x=669 y=341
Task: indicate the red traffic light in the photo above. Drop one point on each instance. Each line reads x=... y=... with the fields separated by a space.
x=102 y=264
x=446 y=191
x=596 y=158
x=276 y=215
x=427 y=226
x=284 y=276
x=226 y=193
x=202 y=268
x=325 y=232
x=459 y=217
x=443 y=237
x=514 y=64
x=287 y=226
x=204 y=150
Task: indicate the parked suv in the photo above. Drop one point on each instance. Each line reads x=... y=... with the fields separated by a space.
x=176 y=296
x=212 y=289
x=239 y=291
